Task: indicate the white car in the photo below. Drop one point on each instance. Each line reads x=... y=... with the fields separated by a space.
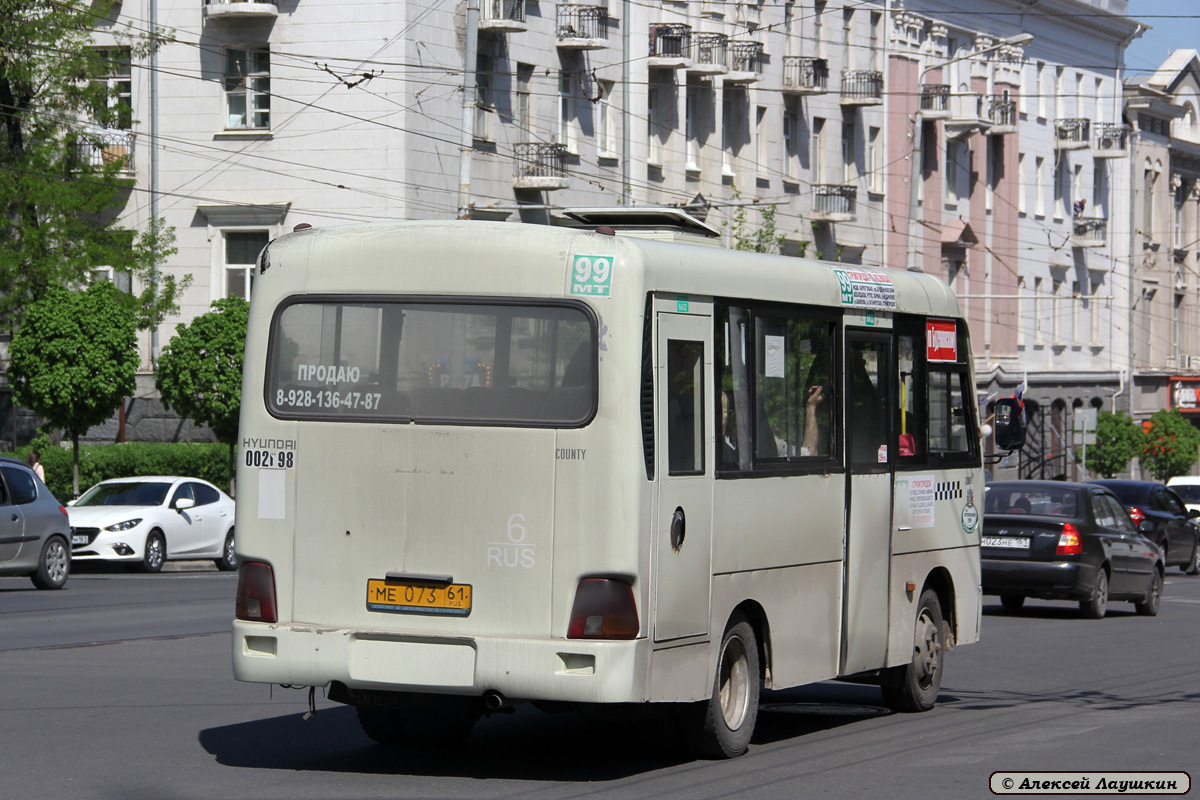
x=148 y=521
x=1188 y=489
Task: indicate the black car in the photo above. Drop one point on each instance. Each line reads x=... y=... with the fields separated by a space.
x=1066 y=541
x=1175 y=528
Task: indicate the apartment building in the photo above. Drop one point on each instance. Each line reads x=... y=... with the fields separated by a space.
x=258 y=116
x=1162 y=237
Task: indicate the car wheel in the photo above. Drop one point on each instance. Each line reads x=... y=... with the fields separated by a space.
x=1012 y=603
x=721 y=727
x=1096 y=606
x=228 y=560
x=1148 y=605
x=1193 y=566
x=920 y=679
x=155 y=552
x=54 y=565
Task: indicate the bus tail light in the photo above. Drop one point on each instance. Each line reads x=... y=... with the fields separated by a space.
x=1069 y=543
x=604 y=609
x=256 y=593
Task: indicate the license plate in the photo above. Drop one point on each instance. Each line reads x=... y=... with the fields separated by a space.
x=78 y=539
x=441 y=599
x=1010 y=542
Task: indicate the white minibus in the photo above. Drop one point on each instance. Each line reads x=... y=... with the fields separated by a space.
x=483 y=464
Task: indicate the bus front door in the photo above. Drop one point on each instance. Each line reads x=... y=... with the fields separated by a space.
x=683 y=530
x=869 y=504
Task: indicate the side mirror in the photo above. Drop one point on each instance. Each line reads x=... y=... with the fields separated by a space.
x=1146 y=527
x=1010 y=424
x=184 y=503
x=1193 y=513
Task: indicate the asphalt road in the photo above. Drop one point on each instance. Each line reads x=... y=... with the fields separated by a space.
x=120 y=687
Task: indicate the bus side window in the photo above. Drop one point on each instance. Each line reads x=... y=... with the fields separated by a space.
x=685 y=404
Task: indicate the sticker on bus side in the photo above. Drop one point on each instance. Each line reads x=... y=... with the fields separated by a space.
x=941 y=340
x=864 y=289
x=591 y=276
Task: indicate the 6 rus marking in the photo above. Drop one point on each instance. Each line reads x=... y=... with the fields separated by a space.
x=516 y=552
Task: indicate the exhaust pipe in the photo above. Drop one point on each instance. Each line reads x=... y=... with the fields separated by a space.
x=494 y=701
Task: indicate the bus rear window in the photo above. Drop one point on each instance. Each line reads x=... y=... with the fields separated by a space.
x=472 y=363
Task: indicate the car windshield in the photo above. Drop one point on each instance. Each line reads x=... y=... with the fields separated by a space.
x=1128 y=493
x=1009 y=499
x=1190 y=492
x=125 y=494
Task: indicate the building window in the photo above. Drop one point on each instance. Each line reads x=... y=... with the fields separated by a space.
x=241 y=253
x=817 y=162
x=791 y=138
x=1150 y=179
x=483 y=97
x=819 y=27
x=875 y=161
x=566 y=110
x=1038 y=311
x=734 y=126
x=1039 y=196
x=1023 y=188
x=760 y=141
x=1099 y=192
x=247 y=88
x=524 y=120
x=118 y=104
x=1060 y=177
x=607 y=140
x=849 y=173
x=954 y=151
x=1041 y=89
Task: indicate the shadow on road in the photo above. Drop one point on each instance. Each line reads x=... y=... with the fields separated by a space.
x=524 y=745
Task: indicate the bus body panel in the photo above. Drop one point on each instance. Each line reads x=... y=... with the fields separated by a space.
x=523 y=513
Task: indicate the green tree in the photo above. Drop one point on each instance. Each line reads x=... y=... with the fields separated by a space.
x=74 y=358
x=200 y=370
x=65 y=142
x=763 y=238
x=1171 y=445
x=1118 y=441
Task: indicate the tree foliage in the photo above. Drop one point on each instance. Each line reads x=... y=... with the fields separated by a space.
x=200 y=370
x=64 y=148
x=762 y=238
x=1118 y=441
x=74 y=359
x=1171 y=445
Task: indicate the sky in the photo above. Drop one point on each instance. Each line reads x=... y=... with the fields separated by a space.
x=1175 y=24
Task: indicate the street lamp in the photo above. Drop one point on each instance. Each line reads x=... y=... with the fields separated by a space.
x=918 y=135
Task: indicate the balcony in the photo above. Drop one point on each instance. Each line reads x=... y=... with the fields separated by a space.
x=502 y=16
x=708 y=53
x=670 y=46
x=582 y=27
x=745 y=62
x=862 y=87
x=834 y=202
x=239 y=9
x=541 y=166
x=1072 y=134
x=1002 y=111
x=1089 y=232
x=968 y=115
x=108 y=147
x=805 y=75
x=935 y=101
x=1112 y=141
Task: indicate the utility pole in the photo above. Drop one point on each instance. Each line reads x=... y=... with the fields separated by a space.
x=467 y=145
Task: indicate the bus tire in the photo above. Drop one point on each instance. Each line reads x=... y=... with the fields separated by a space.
x=920 y=680
x=381 y=725
x=721 y=727
x=440 y=720
x=1012 y=603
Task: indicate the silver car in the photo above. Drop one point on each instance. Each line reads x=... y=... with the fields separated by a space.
x=34 y=529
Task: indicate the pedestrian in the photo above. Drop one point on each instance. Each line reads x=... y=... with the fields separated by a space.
x=35 y=464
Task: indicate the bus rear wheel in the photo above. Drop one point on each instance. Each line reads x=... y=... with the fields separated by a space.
x=381 y=725
x=916 y=684
x=423 y=721
x=721 y=727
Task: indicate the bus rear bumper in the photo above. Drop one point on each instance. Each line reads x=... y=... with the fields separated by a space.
x=569 y=670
